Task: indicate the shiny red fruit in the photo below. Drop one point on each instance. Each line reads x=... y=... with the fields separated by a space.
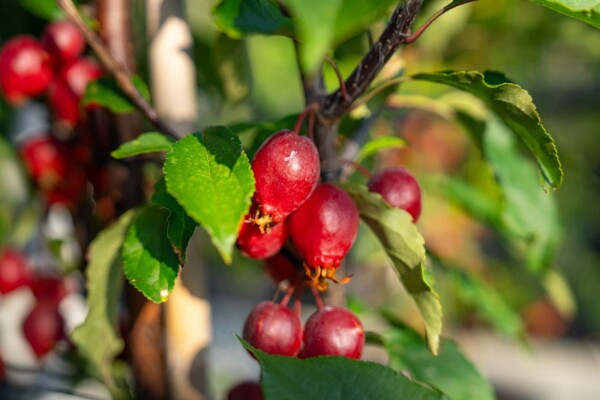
x=280 y=268
x=48 y=289
x=324 y=228
x=46 y=161
x=13 y=270
x=258 y=245
x=25 y=69
x=248 y=390
x=399 y=188
x=78 y=74
x=286 y=168
x=274 y=329
x=64 y=103
x=333 y=331
x=63 y=41
x=43 y=327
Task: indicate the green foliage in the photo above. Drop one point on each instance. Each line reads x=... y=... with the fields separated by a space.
x=210 y=176
x=290 y=378
x=450 y=371
x=241 y=17
x=584 y=10
x=14 y=194
x=106 y=93
x=516 y=109
x=404 y=245
x=376 y=145
x=104 y=282
x=180 y=226
x=149 y=262
x=45 y=9
x=149 y=142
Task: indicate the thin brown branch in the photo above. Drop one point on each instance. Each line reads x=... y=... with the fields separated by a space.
x=120 y=72
x=435 y=16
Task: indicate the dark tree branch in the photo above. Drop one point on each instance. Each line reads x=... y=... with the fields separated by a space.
x=120 y=72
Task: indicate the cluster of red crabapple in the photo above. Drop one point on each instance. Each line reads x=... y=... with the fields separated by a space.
x=292 y=214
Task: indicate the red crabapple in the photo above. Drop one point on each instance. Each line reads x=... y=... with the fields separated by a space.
x=13 y=270
x=280 y=268
x=399 y=188
x=45 y=159
x=63 y=41
x=333 y=331
x=274 y=329
x=43 y=327
x=260 y=245
x=248 y=390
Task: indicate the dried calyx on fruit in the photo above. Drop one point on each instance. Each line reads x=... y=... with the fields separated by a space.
x=286 y=168
x=399 y=188
x=260 y=245
x=323 y=230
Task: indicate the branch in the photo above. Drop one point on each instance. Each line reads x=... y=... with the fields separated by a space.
x=395 y=33
x=435 y=16
x=121 y=74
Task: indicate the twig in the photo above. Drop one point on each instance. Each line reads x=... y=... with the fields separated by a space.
x=340 y=78
x=121 y=74
x=435 y=16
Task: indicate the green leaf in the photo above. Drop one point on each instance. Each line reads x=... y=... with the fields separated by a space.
x=529 y=215
x=473 y=201
x=149 y=262
x=378 y=144
x=584 y=10
x=404 y=245
x=180 y=226
x=210 y=176
x=514 y=106
x=322 y=25
x=241 y=17
x=334 y=378
x=104 y=281
x=106 y=93
x=45 y=9
x=450 y=371
x=149 y=142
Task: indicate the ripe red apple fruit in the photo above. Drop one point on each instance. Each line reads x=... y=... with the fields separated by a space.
x=63 y=41
x=13 y=270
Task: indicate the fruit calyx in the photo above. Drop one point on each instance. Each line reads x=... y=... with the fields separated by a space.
x=319 y=277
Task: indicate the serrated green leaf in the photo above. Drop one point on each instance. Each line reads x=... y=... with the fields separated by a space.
x=514 y=106
x=529 y=215
x=180 y=226
x=334 y=378
x=104 y=281
x=376 y=145
x=450 y=371
x=242 y=17
x=149 y=142
x=210 y=176
x=106 y=93
x=404 y=245
x=149 y=262
x=321 y=25
x=584 y=10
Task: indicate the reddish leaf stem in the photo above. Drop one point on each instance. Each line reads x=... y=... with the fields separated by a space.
x=435 y=16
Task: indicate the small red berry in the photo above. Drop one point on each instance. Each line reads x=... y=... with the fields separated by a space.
x=63 y=40
x=43 y=327
x=64 y=103
x=399 y=188
x=258 y=245
x=324 y=228
x=45 y=159
x=280 y=268
x=248 y=390
x=286 y=168
x=25 y=69
x=13 y=271
x=333 y=331
x=78 y=74
x=274 y=329
x=48 y=289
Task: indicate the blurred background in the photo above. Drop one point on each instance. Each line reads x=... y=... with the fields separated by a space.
x=530 y=322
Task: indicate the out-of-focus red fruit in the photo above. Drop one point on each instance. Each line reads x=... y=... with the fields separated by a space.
x=258 y=245
x=64 y=103
x=333 y=331
x=286 y=168
x=399 y=188
x=543 y=320
x=46 y=161
x=280 y=268
x=43 y=327
x=71 y=191
x=13 y=270
x=274 y=329
x=25 y=69
x=78 y=74
x=2 y=369
x=48 y=289
x=63 y=41
x=248 y=390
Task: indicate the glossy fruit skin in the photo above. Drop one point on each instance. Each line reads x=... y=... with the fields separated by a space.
x=79 y=73
x=43 y=327
x=63 y=41
x=324 y=228
x=45 y=160
x=13 y=270
x=280 y=268
x=257 y=245
x=274 y=329
x=25 y=69
x=333 y=331
x=248 y=390
x=399 y=188
x=286 y=168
